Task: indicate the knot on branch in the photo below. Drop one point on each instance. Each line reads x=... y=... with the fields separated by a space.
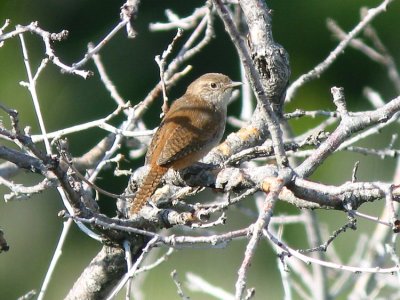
x=59 y=36
x=3 y=243
x=231 y=179
x=272 y=63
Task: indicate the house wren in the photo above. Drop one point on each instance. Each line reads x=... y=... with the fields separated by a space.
x=193 y=125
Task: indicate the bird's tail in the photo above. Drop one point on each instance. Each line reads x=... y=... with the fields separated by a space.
x=148 y=187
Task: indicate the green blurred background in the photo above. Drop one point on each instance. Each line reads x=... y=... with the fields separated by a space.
x=32 y=227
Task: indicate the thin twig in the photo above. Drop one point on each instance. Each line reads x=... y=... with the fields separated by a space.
x=178 y=285
x=94 y=50
x=128 y=258
x=308 y=260
x=135 y=266
x=161 y=61
x=56 y=256
x=199 y=284
x=106 y=79
x=323 y=66
x=32 y=90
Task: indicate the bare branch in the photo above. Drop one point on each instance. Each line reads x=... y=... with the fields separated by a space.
x=323 y=66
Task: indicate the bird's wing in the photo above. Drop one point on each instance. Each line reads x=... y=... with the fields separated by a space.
x=188 y=131
x=153 y=144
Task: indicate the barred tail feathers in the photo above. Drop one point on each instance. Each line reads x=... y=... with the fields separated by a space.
x=148 y=187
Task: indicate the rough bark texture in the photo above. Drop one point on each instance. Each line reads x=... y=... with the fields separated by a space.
x=100 y=276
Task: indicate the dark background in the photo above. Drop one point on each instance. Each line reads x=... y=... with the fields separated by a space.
x=32 y=227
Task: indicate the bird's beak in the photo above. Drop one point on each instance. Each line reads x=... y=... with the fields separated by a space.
x=234 y=84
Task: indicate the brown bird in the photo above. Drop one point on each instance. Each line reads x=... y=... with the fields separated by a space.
x=194 y=125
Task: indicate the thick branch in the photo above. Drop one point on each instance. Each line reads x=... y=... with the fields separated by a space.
x=22 y=160
x=264 y=114
x=100 y=276
x=349 y=125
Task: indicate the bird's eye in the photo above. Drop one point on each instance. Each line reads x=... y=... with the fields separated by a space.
x=213 y=85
